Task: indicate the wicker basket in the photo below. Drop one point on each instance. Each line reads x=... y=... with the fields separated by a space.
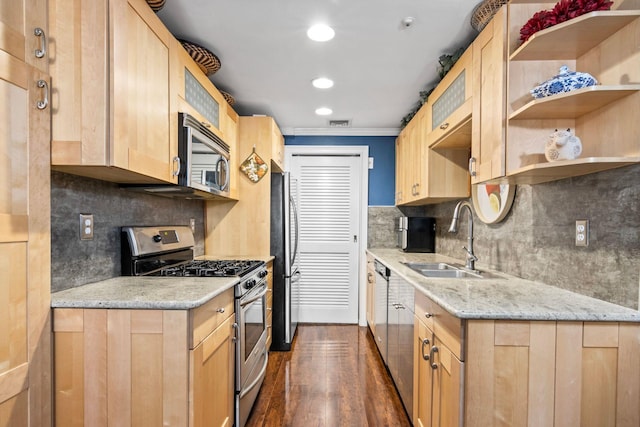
x=206 y=60
x=156 y=5
x=483 y=13
x=230 y=99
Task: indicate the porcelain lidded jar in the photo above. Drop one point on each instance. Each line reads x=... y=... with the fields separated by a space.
x=566 y=81
x=562 y=145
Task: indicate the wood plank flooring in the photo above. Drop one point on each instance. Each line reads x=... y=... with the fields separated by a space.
x=333 y=376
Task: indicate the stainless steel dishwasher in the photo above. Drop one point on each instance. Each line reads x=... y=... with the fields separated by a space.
x=401 y=299
x=381 y=292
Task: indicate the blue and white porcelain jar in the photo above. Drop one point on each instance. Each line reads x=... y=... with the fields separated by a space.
x=566 y=81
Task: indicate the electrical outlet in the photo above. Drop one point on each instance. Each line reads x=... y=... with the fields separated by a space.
x=192 y=224
x=582 y=232
x=86 y=227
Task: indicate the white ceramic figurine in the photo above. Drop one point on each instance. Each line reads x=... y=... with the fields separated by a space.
x=562 y=145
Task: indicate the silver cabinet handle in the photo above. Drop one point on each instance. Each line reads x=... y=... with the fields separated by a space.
x=39 y=32
x=472 y=169
x=43 y=103
x=428 y=315
x=425 y=342
x=220 y=310
x=444 y=126
x=432 y=353
x=176 y=161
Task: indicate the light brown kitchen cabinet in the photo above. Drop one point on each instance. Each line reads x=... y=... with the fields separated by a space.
x=112 y=106
x=25 y=114
x=277 y=155
x=425 y=175
x=602 y=116
x=560 y=374
x=145 y=367
x=24 y=30
x=438 y=380
x=244 y=225
x=523 y=373
x=489 y=100
x=230 y=126
x=450 y=106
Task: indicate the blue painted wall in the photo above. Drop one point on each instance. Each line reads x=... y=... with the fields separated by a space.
x=382 y=178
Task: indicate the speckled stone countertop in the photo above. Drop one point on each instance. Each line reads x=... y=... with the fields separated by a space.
x=503 y=297
x=133 y=292
x=159 y=293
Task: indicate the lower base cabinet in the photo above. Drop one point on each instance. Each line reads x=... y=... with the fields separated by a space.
x=120 y=367
x=524 y=373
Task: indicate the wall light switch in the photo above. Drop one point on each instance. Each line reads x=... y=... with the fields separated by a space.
x=582 y=232
x=370 y=162
x=86 y=227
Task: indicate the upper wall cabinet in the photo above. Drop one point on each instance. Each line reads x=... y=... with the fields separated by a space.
x=450 y=105
x=489 y=100
x=425 y=175
x=112 y=106
x=24 y=31
x=603 y=44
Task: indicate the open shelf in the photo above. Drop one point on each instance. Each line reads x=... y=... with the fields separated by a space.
x=570 y=105
x=573 y=38
x=458 y=138
x=552 y=171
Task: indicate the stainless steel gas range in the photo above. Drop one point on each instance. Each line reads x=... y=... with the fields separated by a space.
x=168 y=251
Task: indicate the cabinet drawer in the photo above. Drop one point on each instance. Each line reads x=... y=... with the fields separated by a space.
x=209 y=316
x=445 y=326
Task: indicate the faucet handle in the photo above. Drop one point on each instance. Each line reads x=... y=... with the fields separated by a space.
x=470 y=255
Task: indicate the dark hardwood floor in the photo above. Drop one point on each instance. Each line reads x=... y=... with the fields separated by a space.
x=333 y=377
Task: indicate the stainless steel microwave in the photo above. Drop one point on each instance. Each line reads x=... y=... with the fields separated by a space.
x=202 y=165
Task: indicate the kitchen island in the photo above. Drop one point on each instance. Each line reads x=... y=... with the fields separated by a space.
x=502 y=350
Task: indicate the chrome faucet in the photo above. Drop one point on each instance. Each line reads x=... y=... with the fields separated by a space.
x=471 y=258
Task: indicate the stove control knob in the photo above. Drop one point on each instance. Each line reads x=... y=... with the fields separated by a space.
x=157 y=238
x=250 y=284
x=263 y=273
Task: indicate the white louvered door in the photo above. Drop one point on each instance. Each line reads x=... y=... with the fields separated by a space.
x=328 y=200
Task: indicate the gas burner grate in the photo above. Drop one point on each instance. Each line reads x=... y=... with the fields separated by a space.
x=217 y=268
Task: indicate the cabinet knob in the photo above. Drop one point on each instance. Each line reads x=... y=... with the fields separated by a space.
x=220 y=310
x=444 y=126
x=428 y=315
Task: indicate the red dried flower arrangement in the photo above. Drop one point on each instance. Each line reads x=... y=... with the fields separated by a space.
x=561 y=12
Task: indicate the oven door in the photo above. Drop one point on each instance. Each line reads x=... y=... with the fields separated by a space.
x=252 y=325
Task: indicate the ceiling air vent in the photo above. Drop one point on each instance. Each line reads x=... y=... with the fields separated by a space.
x=339 y=123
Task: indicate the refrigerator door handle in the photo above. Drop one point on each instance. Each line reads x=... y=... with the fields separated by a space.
x=297 y=229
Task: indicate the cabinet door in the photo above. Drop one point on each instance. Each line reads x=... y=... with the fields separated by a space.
x=213 y=378
x=23 y=31
x=278 y=146
x=140 y=94
x=447 y=386
x=371 y=295
x=401 y=163
x=489 y=101
x=25 y=341
x=422 y=375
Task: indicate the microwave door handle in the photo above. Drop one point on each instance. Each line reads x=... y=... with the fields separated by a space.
x=220 y=164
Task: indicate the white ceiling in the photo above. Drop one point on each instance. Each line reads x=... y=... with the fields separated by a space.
x=378 y=65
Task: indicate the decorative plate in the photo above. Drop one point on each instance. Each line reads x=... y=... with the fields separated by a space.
x=492 y=202
x=254 y=167
x=206 y=60
x=566 y=81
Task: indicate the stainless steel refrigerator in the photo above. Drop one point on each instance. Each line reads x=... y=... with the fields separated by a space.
x=284 y=247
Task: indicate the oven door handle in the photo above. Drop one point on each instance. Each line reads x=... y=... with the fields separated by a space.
x=258 y=378
x=257 y=297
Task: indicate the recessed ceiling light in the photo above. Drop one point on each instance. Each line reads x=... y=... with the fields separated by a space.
x=320 y=33
x=322 y=83
x=323 y=111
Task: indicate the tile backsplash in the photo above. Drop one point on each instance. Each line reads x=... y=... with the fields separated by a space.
x=536 y=240
x=75 y=262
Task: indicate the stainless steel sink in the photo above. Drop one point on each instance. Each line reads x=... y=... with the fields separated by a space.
x=443 y=270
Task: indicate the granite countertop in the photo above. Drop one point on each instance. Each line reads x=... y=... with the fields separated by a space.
x=502 y=297
x=150 y=292
x=135 y=292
